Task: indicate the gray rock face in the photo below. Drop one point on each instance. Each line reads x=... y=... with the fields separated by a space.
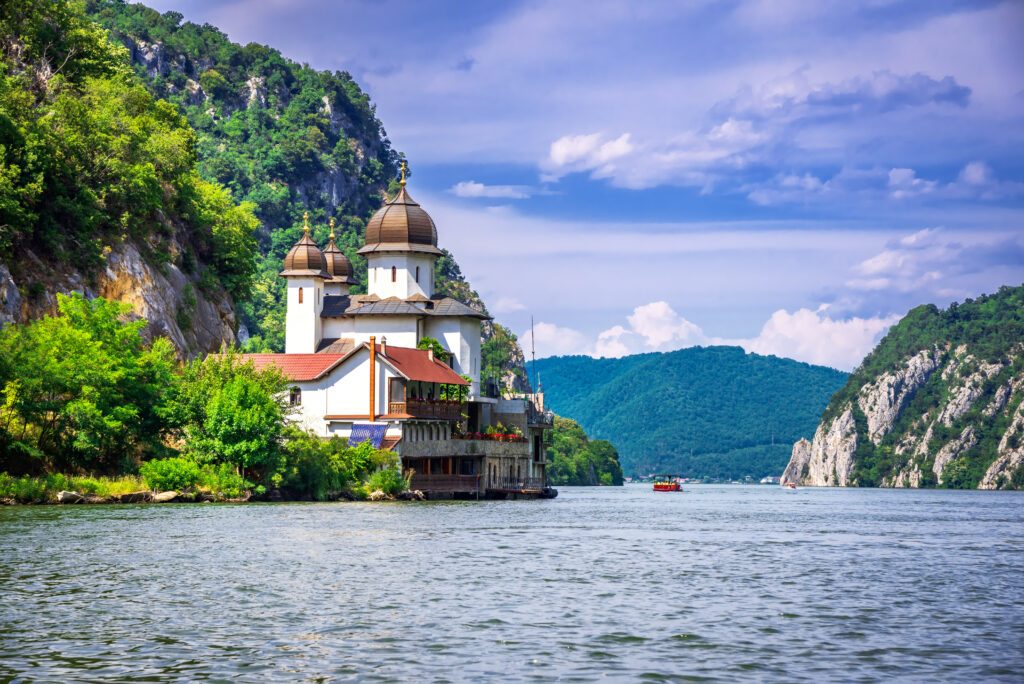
x=798 y=463
x=1009 y=455
x=829 y=460
x=171 y=302
x=952 y=450
x=165 y=497
x=65 y=497
x=883 y=400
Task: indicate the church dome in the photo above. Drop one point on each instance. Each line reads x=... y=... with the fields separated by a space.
x=337 y=264
x=401 y=225
x=305 y=258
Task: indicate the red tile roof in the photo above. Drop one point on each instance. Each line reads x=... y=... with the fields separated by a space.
x=415 y=364
x=296 y=367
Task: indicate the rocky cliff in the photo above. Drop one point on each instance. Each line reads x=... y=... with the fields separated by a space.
x=948 y=414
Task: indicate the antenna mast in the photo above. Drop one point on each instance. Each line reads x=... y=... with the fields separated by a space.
x=533 y=354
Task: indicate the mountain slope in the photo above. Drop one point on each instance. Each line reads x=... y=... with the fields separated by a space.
x=700 y=412
x=99 y=189
x=939 y=402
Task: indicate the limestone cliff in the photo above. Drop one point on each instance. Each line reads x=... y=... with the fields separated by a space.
x=937 y=403
x=197 y=318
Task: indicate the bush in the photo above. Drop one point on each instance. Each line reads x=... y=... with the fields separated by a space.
x=225 y=482
x=389 y=480
x=171 y=474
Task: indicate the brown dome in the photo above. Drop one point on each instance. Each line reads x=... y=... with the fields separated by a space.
x=305 y=259
x=401 y=225
x=338 y=265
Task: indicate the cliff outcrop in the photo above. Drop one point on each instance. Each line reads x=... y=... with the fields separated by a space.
x=937 y=403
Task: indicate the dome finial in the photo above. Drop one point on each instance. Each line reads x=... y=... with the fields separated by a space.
x=332 y=227
x=403 y=174
x=305 y=222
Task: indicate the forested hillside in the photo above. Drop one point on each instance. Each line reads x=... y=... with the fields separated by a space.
x=937 y=403
x=100 y=189
x=288 y=139
x=700 y=412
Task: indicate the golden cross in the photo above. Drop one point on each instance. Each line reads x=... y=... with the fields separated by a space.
x=403 y=173
x=332 y=227
x=305 y=222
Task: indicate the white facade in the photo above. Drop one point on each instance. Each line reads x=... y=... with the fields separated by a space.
x=400 y=274
x=303 y=325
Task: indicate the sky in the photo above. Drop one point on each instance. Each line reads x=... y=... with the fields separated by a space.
x=783 y=175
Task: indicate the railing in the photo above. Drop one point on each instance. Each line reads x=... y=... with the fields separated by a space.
x=445 y=483
x=423 y=408
x=540 y=417
x=517 y=484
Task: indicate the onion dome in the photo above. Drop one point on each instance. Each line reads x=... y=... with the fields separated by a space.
x=305 y=258
x=338 y=265
x=401 y=225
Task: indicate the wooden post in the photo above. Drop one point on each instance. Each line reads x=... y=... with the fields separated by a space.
x=373 y=384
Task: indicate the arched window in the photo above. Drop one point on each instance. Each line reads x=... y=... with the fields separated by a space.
x=295 y=395
x=300 y=295
x=394 y=274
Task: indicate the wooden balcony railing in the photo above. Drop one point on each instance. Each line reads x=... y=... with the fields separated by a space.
x=423 y=408
x=446 y=483
x=517 y=484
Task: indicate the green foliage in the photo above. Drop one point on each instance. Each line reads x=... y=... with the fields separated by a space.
x=81 y=390
x=388 y=480
x=499 y=356
x=44 y=489
x=167 y=474
x=230 y=413
x=698 y=412
x=321 y=468
x=578 y=460
x=429 y=343
x=89 y=158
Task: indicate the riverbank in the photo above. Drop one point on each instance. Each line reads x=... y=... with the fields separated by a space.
x=58 y=489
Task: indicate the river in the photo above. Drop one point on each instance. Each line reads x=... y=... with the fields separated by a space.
x=719 y=582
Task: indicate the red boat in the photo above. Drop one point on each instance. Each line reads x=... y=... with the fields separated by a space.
x=667 y=486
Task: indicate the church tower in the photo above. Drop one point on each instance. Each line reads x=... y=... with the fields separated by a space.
x=400 y=249
x=305 y=270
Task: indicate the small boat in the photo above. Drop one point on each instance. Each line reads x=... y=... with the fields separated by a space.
x=667 y=486
x=791 y=485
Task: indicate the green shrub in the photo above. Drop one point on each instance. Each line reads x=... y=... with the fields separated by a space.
x=389 y=480
x=223 y=481
x=171 y=474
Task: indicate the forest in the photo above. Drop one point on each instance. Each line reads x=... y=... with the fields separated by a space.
x=713 y=412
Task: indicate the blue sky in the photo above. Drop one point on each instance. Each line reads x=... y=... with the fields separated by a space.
x=788 y=176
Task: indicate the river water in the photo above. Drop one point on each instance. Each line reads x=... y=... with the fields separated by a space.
x=622 y=584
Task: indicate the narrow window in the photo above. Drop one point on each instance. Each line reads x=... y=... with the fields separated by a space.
x=300 y=295
x=295 y=396
x=417 y=274
x=394 y=274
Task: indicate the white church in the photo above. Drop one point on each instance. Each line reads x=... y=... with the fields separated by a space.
x=356 y=372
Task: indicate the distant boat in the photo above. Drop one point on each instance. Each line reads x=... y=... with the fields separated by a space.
x=667 y=486
x=791 y=485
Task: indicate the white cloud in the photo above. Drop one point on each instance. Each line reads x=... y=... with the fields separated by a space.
x=594 y=152
x=554 y=340
x=905 y=183
x=815 y=337
x=508 y=305
x=806 y=335
x=474 y=189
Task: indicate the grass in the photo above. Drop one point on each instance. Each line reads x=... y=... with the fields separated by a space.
x=44 y=489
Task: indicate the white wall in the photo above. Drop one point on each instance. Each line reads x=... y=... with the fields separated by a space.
x=302 y=331
x=336 y=288
x=405 y=264
x=461 y=337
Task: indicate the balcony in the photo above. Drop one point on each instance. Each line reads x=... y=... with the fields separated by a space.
x=517 y=484
x=424 y=408
x=540 y=418
x=446 y=483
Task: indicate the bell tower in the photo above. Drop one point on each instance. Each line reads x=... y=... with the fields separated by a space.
x=304 y=269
